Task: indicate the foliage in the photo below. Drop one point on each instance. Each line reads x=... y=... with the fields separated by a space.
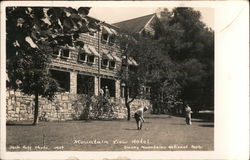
x=32 y=35
x=189 y=47
x=93 y=107
x=129 y=74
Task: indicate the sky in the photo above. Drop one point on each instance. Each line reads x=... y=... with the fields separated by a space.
x=117 y=14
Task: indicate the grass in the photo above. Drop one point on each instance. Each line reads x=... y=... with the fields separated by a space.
x=159 y=132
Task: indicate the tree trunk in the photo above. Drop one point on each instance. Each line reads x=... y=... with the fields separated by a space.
x=36 y=110
x=126 y=101
x=128 y=109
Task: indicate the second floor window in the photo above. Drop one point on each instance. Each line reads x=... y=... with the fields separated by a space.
x=112 y=64
x=65 y=53
x=105 y=37
x=56 y=52
x=82 y=57
x=112 y=40
x=104 y=62
x=91 y=59
x=92 y=33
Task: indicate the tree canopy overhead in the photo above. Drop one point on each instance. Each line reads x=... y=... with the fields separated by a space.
x=32 y=34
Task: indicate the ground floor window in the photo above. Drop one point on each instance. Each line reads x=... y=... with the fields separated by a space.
x=85 y=84
x=108 y=86
x=63 y=78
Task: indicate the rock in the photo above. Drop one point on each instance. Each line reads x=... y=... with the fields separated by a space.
x=9 y=102
x=12 y=92
x=65 y=98
x=18 y=93
x=17 y=109
x=7 y=94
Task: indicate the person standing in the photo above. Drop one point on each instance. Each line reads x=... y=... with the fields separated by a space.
x=188 y=115
x=139 y=116
x=101 y=92
x=106 y=92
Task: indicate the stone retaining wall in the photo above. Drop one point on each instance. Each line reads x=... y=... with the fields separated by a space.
x=65 y=106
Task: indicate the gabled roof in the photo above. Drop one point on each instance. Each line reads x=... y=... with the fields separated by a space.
x=134 y=25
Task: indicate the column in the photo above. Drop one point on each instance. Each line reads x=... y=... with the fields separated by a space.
x=117 y=88
x=96 y=86
x=73 y=82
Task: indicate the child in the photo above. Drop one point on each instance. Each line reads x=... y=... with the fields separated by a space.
x=188 y=115
x=139 y=116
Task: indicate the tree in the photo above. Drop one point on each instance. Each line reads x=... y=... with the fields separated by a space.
x=130 y=76
x=32 y=35
x=154 y=69
x=190 y=45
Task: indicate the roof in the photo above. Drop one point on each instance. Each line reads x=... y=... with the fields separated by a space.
x=103 y=22
x=134 y=25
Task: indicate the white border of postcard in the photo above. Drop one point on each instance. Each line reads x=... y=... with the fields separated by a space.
x=231 y=83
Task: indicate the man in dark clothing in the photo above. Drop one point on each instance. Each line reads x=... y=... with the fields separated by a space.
x=139 y=116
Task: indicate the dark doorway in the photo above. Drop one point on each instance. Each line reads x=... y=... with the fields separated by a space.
x=108 y=85
x=85 y=84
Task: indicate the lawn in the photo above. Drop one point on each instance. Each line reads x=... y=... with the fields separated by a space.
x=159 y=133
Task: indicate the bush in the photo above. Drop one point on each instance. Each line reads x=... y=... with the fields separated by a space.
x=93 y=107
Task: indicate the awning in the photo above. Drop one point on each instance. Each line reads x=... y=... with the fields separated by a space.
x=133 y=61
x=117 y=58
x=106 y=54
x=90 y=50
x=104 y=51
x=114 y=31
x=106 y=30
x=86 y=49
x=92 y=30
x=130 y=62
x=93 y=50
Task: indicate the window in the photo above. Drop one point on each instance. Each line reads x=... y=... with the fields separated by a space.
x=112 y=64
x=108 y=86
x=63 y=78
x=91 y=59
x=65 y=53
x=104 y=63
x=91 y=33
x=85 y=84
x=82 y=57
x=111 y=40
x=56 y=52
x=104 y=38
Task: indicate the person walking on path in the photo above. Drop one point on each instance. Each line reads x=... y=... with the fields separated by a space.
x=188 y=115
x=139 y=116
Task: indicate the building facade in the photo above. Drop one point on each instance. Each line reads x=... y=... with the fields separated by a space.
x=90 y=68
